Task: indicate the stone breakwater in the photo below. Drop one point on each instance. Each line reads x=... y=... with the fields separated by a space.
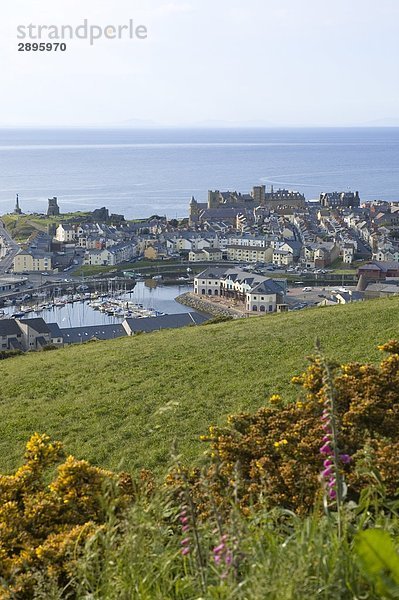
x=208 y=307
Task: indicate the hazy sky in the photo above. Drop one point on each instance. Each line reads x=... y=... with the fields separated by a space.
x=279 y=62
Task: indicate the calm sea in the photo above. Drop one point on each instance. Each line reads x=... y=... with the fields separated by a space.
x=142 y=172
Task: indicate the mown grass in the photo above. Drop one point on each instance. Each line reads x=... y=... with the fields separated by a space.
x=122 y=403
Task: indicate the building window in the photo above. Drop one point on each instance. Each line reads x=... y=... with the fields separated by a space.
x=262 y=308
x=203 y=291
x=270 y=308
x=216 y=292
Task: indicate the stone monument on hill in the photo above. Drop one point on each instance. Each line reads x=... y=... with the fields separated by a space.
x=53 y=209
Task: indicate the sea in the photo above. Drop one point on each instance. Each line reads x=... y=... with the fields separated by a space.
x=139 y=173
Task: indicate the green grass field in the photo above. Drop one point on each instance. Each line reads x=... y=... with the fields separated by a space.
x=121 y=404
x=89 y=270
x=21 y=227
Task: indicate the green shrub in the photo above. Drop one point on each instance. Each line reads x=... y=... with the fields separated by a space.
x=275 y=454
x=4 y=354
x=43 y=526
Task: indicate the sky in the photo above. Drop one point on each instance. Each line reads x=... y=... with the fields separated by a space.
x=204 y=63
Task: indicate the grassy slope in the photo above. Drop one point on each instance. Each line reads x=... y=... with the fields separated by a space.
x=108 y=401
x=21 y=226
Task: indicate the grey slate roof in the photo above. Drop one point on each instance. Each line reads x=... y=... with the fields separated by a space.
x=38 y=324
x=77 y=335
x=166 y=322
x=351 y=297
x=267 y=287
x=9 y=327
x=55 y=330
x=212 y=273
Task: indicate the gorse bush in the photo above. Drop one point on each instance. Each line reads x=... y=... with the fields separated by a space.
x=278 y=509
x=276 y=455
x=43 y=526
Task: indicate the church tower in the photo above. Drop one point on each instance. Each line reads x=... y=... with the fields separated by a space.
x=193 y=212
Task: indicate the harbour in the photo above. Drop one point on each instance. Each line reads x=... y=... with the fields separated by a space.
x=78 y=307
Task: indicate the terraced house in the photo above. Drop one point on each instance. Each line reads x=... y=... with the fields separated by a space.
x=254 y=292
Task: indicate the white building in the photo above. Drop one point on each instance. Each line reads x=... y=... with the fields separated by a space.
x=32 y=260
x=65 y=233
x=255 y=292
x=207 y=283
x=282 y=258
x=249 y=254
x=111 y=256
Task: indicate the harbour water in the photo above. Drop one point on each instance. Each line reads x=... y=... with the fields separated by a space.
x=160 y=299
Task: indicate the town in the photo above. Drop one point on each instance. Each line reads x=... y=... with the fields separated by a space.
x=244 y=254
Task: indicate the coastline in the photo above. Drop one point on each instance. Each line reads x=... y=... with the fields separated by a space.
x=208 y=307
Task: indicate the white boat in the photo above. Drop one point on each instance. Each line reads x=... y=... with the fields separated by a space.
x=26 y=309
x=59 y=302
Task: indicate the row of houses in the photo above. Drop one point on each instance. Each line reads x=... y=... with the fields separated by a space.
x=35 y=334
x=112 y=255
x=254 y=293
x=283 y=254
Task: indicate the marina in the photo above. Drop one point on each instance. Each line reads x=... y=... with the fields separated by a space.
x=78 y=308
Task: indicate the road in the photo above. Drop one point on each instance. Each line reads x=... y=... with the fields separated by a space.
x=8 y=249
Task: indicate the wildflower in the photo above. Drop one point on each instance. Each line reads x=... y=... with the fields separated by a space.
x=345 y=459
x=330 y=474
x=326 y=449
x=185 y=542
x=280 y=443
x=275 y=399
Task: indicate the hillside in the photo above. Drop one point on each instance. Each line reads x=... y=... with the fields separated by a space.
x=122 y=403
x=22 y=226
